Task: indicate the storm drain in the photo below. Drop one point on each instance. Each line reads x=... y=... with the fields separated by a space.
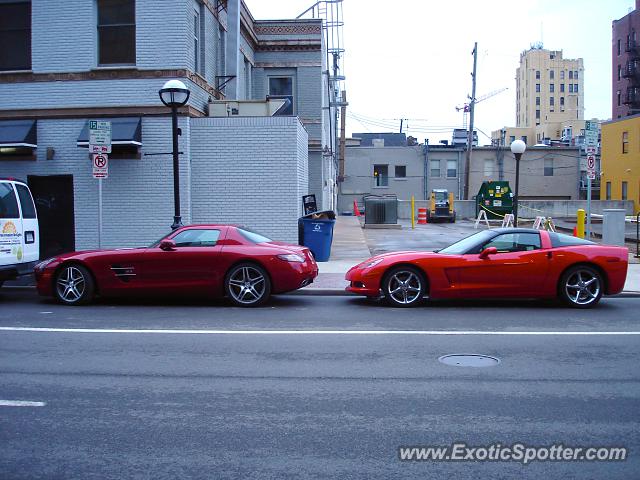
x=469 y=360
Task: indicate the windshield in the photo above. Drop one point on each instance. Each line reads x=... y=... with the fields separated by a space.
x=464 y=245
x=252 y=236
x=440 y=196
x=157 y=242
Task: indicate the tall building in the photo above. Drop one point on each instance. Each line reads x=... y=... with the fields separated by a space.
x=625 y=54
x=549 y=88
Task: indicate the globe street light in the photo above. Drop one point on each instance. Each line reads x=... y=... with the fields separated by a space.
x=517 y=148
x=174 y=94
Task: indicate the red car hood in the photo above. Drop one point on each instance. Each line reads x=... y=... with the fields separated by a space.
x=383 y=256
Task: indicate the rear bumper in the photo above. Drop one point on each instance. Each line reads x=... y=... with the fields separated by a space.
x=293 y=276
x=9 y=272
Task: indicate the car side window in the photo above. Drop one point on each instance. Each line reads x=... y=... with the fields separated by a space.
x=197 y=238
x=514 y=242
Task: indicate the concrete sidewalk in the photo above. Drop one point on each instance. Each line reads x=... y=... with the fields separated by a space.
x=350 y=248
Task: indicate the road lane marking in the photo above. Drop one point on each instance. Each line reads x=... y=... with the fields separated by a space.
x=307 y=332
x=20 y=403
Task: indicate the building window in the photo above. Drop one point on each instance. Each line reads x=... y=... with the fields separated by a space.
x=570 y=74
x=537 y=100
x=552 y=87
x=434 y=169
x=15 y=30
x=401 y=171
x=537 y=74
x=452 y=168
x=575 y=74
x=548 y=167
x=619 y=72
x=624 y=190
x=282 y=87
x=618 y=46
x=571 y=88
x=196 y=41
x=561 y=74
x=381 y=175
x=575 y=88
x=619 y=95
x=538 y=114
x=524 y=138
x=561 y=103
x=488 y=167
x=608 y=191
x=625 y=142
x=562 y=87
x=552 y=101
x=552 y=74
x=116 y=32
x=537 y=87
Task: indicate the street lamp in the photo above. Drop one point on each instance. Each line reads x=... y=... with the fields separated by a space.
x=517 y=148
x=174 y=94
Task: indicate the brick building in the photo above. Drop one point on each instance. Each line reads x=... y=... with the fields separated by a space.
x=625 y=53
x=69 y=62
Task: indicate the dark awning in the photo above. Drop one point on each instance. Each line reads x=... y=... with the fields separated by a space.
x=18 y=133
x=124 y=131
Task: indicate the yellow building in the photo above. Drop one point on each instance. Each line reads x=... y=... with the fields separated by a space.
x=550 y=89
x=620 y=156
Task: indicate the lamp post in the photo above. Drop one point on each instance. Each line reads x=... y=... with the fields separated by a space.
x=517 y=148
x=174 y=94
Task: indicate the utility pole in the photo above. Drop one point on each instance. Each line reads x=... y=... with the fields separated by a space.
x=472 y=104
x=401 y=120
x=343 y=117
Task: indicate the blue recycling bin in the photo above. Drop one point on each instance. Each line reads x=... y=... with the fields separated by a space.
x=318 y=235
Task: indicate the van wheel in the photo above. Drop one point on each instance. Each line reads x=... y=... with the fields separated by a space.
x=74 y=285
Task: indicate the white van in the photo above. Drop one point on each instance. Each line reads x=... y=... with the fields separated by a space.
x=19 y=234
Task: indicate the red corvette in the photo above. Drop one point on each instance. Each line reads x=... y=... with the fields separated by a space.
x=213 y=260
x=500 y=263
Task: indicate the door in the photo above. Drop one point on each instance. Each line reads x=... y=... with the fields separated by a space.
x=30 y=231
x=53 y=196
x=10 y=226
x=190 y=268
x=518 y=269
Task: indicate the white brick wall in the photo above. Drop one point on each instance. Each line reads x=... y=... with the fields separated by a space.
x=251 y=171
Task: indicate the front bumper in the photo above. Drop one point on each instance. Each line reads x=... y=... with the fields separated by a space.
x=363 y=282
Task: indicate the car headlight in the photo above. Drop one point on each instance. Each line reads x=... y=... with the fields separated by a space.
x=291 y=257
x=371 y=263
x=42 y=265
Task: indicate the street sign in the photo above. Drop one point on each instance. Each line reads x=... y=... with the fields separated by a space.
x=591 y=150
x=100 y=165
x=591 y=133
x=591 y=162
x=99 y=136
x=591 y=174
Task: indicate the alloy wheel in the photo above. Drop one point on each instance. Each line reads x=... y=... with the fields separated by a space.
x=582 y=287
x=247 y=285
x=71 y=284
x=404 y=287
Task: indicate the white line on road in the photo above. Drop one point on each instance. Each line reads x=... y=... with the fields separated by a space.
x=20 y=403
x=307 y=332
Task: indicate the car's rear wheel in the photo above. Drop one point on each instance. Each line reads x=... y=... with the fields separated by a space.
x=404 y=286
x=74 y=285
x=581 y=287
x=247 y=285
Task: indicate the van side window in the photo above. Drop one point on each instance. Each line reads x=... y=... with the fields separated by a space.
x=26 y=202
x=8 y=203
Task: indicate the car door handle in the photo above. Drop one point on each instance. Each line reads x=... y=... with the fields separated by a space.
x=549 y=255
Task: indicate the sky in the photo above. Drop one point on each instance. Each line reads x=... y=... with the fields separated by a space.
x=412 y=59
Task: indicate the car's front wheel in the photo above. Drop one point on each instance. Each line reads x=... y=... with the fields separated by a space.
x=404 y=286
x=74 y=285
x=581 y=287
x=247 y=285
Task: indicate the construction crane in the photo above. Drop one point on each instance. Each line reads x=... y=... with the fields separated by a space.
x=481 y=98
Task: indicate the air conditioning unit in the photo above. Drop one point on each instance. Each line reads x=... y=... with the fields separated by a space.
x=247 y=108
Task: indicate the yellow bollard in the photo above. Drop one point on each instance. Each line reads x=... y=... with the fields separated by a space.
x=413 y=212
x=580 y=223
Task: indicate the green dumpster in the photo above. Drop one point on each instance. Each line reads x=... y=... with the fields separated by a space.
x=495 y=198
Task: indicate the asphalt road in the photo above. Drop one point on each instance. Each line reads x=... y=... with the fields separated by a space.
x=268 y=393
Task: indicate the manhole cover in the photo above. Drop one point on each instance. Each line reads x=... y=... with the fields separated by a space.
x=469 y=360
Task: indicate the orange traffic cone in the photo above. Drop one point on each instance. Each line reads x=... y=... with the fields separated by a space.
x=422 y=216
x=356 y=212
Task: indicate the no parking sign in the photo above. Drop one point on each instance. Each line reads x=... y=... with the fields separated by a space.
x=100 y=165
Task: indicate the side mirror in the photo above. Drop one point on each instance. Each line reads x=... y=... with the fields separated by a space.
x=167 y=245
x=488 y=251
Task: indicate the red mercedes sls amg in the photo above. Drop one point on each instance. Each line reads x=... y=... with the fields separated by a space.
x=500 y=263
x=213 y=260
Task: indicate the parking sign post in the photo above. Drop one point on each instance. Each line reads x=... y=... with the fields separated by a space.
x=100 y=146
x=591 y=141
